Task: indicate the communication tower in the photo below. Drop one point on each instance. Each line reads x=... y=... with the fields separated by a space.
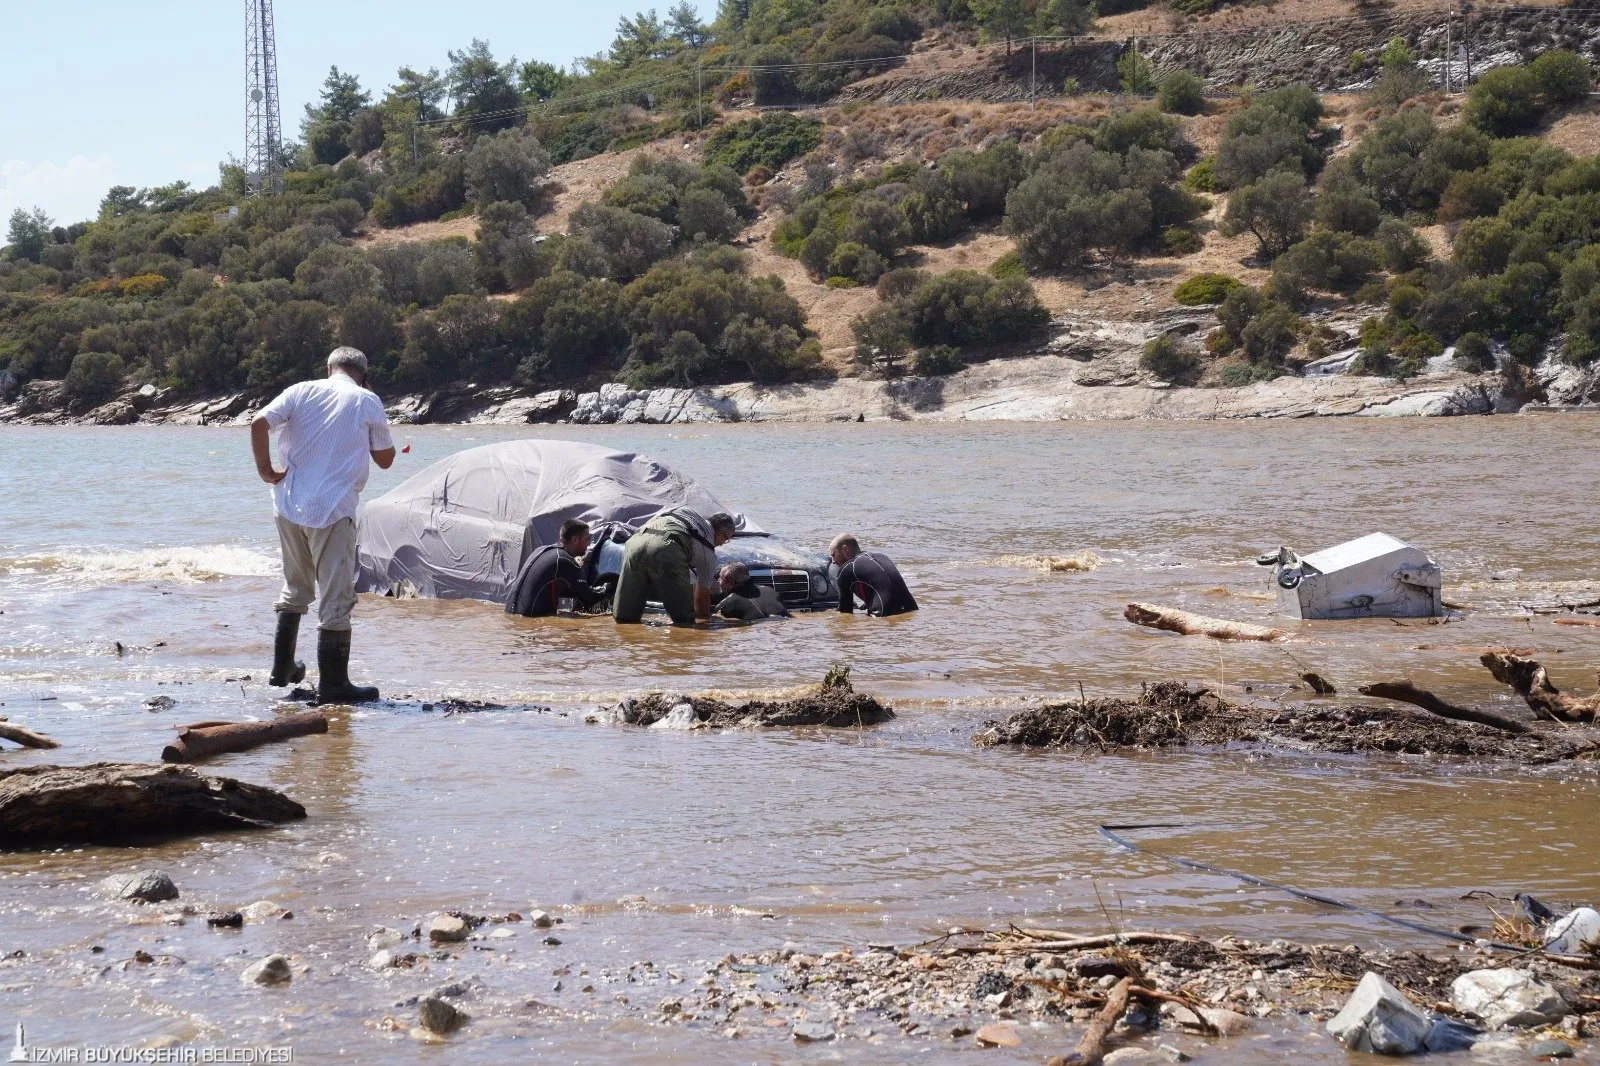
x=263 y=131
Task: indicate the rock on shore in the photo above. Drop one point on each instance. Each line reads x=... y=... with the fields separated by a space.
x=122 y=802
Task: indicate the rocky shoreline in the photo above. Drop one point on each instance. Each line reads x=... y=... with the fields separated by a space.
x=1036 y=388
x=1087 y=370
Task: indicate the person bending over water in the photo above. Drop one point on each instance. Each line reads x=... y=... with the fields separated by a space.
x=742 y=598
x=673 y=558
x=870 y=577
x=329 y=431
x=552 y=574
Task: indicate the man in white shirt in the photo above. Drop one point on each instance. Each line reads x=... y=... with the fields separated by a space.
x=329 y=428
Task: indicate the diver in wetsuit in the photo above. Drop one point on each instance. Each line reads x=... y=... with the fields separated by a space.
x=553 y=574
x=870 y=577
x=742 y=598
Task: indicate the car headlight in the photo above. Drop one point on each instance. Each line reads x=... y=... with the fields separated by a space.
x=819 y=584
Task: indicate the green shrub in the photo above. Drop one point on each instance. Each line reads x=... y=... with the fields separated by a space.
x=1324 y=262
x=1182 y=93
x=856 y=262
x=966 y=309
x=1236 y=375
x=1203 y=289
x=1503 y=101
x=94 y=378
x=1166 y=359
x=1202 y=177
x=509 y=165
x=937 y=360
x=1472 y=354
x=883 y=338
x=1560 y=77
x=837 y=281
x=1270 y=335
x=741 y=328
x=1276 y=210
x=770 y=141
x=1082 y=199
x=1180 y=240
x=1008 y=265
x=1273 y=133
x=1401 y=248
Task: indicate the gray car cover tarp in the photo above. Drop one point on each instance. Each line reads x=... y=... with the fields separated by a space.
x=462 y=527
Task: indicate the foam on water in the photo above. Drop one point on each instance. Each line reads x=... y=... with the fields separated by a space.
x=189 y=565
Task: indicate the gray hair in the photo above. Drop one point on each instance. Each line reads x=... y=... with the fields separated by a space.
x=347 y=358
x=737 y=573
x=845 y=540
x=721 y=522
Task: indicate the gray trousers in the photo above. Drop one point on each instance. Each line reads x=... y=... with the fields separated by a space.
x=319 y=564
x=654 y=567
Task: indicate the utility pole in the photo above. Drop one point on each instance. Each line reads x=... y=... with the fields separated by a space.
x=1033 y=76
x=1466 y=40
x=1448 y=53
x=415 y=122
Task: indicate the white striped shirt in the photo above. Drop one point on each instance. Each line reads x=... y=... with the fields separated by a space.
x=330 y=427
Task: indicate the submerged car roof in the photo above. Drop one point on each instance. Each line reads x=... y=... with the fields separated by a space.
x=461 y=526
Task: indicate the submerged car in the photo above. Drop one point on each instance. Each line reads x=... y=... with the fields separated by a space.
x=462 y=528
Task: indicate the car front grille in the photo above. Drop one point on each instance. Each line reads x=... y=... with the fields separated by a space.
x=792 y=586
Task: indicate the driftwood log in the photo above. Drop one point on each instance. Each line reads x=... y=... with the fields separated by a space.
x=1091 y=1049
x=1175 y=621
x=1594 y=622
x=1531 y=682
x=1406 y=692
x=205 y=739
x=116 y=803
x=26 y=737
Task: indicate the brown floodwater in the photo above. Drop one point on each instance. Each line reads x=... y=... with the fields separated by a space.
x=679 y=847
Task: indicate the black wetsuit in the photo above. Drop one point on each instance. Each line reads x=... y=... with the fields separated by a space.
x=752 y=602
x=549 y=576
x=871 y=577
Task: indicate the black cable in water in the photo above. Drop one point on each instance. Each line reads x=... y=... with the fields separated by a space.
x=1110 y=833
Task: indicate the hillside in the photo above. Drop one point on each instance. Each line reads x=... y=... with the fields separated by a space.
x=924 y=216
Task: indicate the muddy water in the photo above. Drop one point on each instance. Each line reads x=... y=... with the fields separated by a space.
x=680 y=847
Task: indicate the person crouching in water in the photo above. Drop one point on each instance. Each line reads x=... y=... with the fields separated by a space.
x=673 y=558
x=742 y=598
x=330 y=429
x=553 y=574
x=870 y=577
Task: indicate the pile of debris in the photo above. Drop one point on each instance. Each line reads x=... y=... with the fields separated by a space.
x=1171 y=714
x=1160 y=991
x=835 y=705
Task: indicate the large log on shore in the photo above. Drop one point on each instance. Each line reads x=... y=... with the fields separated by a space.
x=205 y=739
x=1531 y=682
x=1406 y=692
x=1175 y=621
x=118 y=803
x=26 y=737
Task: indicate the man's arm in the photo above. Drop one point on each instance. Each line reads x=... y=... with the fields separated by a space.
x=847 y=602
x=261 y=445
x=702 y=604
x=378 y=440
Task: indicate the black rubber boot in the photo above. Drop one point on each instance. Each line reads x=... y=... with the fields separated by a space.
x=333 y=670
x=286 y=669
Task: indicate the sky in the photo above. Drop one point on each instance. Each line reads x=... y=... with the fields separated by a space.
x=100 y=94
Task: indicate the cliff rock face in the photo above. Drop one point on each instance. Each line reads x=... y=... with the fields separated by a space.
x=1316 y=53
